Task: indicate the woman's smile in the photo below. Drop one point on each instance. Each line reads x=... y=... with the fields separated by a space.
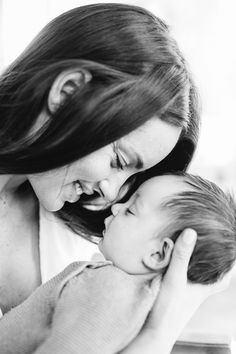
x=78 y=188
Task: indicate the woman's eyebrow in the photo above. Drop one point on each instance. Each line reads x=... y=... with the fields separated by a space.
x=138 y=163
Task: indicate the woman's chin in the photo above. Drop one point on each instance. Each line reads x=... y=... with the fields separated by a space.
x=53 y=207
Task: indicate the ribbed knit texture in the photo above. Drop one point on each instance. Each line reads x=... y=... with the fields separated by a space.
x=89 y=308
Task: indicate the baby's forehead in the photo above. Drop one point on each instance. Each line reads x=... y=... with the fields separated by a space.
x=158 y=190
x=165 y=184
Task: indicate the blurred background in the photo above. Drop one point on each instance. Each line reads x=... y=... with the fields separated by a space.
x=205 y=31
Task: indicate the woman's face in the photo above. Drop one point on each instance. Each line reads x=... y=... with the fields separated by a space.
x=106 y=170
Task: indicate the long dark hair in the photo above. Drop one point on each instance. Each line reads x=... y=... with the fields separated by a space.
x=137 y=72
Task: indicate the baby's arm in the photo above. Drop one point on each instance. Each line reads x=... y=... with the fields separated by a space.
x=100 y=311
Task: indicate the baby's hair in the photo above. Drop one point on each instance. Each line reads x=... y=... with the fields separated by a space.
x=211 y=213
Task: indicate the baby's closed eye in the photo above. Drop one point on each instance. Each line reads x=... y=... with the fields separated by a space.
x=128 y=211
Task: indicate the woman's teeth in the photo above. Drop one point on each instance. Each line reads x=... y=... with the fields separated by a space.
x=78 y=188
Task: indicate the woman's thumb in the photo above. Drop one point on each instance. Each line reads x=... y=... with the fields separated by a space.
x=183 y=250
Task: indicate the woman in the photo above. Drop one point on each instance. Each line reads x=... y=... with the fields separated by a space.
x=101 y=96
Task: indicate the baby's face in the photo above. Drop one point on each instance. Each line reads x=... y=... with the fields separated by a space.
x=131 y=232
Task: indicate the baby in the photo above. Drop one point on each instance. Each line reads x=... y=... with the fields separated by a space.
x=140 y=234
x=138 y=241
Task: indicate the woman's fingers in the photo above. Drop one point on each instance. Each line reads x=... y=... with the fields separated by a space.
x=181 y=254
x=178 y=299
x=173 y=287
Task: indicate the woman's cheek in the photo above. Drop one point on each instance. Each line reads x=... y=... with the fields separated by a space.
x=51 y=201
x=97 y=171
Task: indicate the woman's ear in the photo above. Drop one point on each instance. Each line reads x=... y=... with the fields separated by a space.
x=160 y=257
x=64 y=85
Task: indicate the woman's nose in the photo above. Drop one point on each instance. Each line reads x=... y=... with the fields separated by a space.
x=110 y=187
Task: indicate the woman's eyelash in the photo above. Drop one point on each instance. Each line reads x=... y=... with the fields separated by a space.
x=118 y=162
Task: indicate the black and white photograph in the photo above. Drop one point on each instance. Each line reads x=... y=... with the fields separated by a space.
x=117 y=177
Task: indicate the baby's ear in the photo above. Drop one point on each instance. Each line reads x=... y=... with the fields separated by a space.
x=160 y=257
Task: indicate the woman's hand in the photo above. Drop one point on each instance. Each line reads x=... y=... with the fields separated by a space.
x=176 y=303
x=178 y=298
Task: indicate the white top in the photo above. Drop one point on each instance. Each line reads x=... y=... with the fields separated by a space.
x=59 y=246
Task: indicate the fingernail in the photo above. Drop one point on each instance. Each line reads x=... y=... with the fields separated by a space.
x=189 y=236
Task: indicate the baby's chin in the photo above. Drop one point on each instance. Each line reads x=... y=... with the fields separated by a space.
x=102 y=249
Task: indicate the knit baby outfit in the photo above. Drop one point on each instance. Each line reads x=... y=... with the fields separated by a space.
x=89 y=308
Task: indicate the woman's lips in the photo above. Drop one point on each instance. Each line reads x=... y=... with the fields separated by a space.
x=74 y=192
x=77 y=190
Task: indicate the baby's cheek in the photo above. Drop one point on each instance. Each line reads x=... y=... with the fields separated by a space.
x=112 y=247
x=107 y=252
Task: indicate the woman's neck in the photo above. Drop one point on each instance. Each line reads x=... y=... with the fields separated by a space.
x=10 y=183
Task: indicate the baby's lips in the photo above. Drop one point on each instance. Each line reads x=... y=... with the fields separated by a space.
x=107 y=221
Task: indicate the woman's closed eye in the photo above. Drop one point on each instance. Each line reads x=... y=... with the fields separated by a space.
x=119 y=161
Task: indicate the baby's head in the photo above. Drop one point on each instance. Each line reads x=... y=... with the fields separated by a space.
x=140 y=235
